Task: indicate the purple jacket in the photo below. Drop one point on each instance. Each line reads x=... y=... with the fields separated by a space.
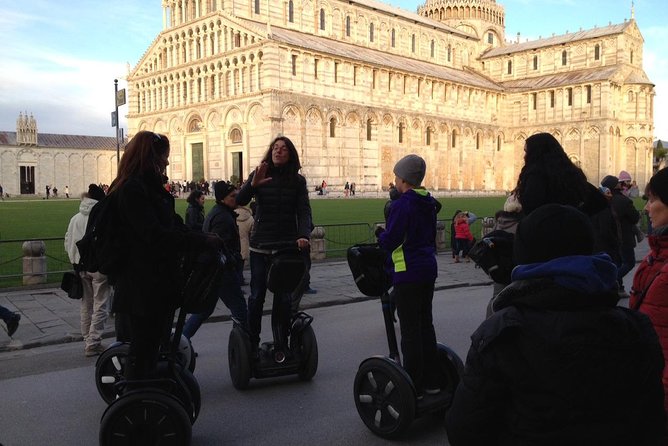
x=410 y=237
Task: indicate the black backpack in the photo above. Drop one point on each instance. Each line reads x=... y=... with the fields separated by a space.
x=494 y=254
x=367 y=263
x=100 y=248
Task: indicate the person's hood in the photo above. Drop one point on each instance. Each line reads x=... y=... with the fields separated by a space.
x=507 y=221
x=86 y=205
x=421 y=197
x=243 y=213
x=589 y=274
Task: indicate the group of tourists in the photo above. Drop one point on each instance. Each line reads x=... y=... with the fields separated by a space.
x=557 y=360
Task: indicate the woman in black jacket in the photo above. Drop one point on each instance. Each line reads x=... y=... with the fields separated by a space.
x=154 y=239
x=195 y=210
x=282 y=214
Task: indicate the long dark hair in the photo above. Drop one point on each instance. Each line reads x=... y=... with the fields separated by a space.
x=291 y=168
x=141 y=157
x=565 y=182
x=194 y=196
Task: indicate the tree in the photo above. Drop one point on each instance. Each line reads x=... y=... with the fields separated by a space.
x=659 y=151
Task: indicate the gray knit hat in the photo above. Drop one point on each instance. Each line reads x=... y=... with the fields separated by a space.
x=411 y=169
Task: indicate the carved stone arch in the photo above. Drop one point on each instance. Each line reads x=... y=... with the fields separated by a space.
x=592 y=132
x=256 y=114
x=416 y=124
x=520 y=137
x=371 y=115
x=160 y=126
x=232 y=115
x=467 y=132
x=212 y=119
x=193 y=122
x=292 y=113
x=335 y=113
x=314 y=116
x=235 y=135
x=388 y=120
x=573 y=134
x=175 y=126
x=352 y=118
x=444 y=128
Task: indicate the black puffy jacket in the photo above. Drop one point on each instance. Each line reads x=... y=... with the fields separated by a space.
x=553 y=366
x=283 y=211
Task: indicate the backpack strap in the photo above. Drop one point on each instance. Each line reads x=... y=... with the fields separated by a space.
x=641 y=295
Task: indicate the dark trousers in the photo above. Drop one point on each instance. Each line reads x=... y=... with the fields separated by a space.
x=231 y=295
x=418 y=339
x=628 y=262
x=147 y=333
x=304 y=284
x=259 y=265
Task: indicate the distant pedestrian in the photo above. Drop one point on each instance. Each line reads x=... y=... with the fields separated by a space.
x=463 y=235
x=55 y=192
x=67 y=192
x=195 y=211
x=2 y=194
x=48 y=191
x=352 y=189
x=346 y=189
x=11 y=320
x=245 y=223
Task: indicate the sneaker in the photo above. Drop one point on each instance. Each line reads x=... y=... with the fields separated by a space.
x=310 y=290
x=94 y=350
x=433 y=391
x=13 y=324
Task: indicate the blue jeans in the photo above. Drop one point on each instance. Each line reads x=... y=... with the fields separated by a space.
x=259 y=265
x=231 y=295
x=628 y=262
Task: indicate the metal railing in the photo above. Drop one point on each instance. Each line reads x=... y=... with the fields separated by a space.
x=338 y=238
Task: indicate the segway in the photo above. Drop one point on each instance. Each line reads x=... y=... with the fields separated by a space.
x=294 y=350
x=385 y=396
x=160 y=410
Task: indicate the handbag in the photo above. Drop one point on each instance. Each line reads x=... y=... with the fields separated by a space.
x=72 y=285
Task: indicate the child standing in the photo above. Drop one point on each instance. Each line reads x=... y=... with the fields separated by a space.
x=410 y=238
x=463 y=235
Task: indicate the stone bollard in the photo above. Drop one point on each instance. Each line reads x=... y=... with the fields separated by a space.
x=318 y=243
x=441 y=242
x=34 y=262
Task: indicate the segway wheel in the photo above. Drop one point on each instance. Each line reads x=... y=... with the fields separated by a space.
x=145 y=417
x=239 y=358
x=193 y=398
x=109 y=370
x=306 y=345
x=384 y=397
x=451 y=368
x=185 y=355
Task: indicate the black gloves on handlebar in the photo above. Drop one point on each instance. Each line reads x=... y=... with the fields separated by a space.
x=379 y=230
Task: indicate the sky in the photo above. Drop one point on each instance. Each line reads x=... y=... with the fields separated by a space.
x=60 y=57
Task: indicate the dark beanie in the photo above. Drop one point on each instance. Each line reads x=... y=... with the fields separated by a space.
x=95 y=192
x=411 y=169
x=610 y=181
x=222 y=189
x=552 y=231
x=658 y=185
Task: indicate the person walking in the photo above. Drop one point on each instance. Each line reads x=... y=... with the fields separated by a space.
x=221 y=220
x=96 y=289
x=245 y=223
x=410 y=239
x=282 y=214
x=627 y=216
x=650 y=282
x=559 y=362
x=147 y=288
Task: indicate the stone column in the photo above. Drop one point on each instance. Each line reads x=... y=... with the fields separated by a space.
x=34 y=262
x=318 y=243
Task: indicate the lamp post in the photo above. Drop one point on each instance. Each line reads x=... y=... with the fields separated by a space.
x=118 y=146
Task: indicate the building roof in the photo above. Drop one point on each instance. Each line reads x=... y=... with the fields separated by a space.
x=374 y=57
x=615 y=73
x=52 y=140
x=557 y=40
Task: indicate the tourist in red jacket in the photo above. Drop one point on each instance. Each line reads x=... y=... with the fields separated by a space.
x=650 y=283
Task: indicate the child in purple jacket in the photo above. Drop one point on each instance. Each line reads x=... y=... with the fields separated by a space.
x=410 y=238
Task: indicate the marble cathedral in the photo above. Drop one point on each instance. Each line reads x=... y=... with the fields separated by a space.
x=357 y=84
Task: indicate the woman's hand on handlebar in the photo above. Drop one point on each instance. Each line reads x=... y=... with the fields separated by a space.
x=302 y=243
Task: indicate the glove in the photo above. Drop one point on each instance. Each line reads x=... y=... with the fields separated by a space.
x=379 y=230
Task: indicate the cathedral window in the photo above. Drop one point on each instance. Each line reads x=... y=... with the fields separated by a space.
x=428 y=136
x=564 y=57
x=294 y=64
x=569 y=93
x=433 y=48
x=498 y=143
x=332 y=127
x=588 y=90
x=322 y=19
x=534 y=100
x=237 y=40
x=291 y=11
x=371 y=32
x=490 y=38
x=354 y=75
x=631 y=56
x=552 y=99
x=535 y=62
x=477 y=141
x=454 y=138
x=368 y=129
x=374 y=77
x=257 y=6
x=401 y=132
x=510 y=67
x=336 y=71
x=413 y=44
x=347 y=26
x=315 y=68
x=449 y=53
x=393 y=38
x=597 y=52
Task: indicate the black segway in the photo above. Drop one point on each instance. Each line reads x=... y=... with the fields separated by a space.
x=293 y=351
x=385 y=396
x=160 y=410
